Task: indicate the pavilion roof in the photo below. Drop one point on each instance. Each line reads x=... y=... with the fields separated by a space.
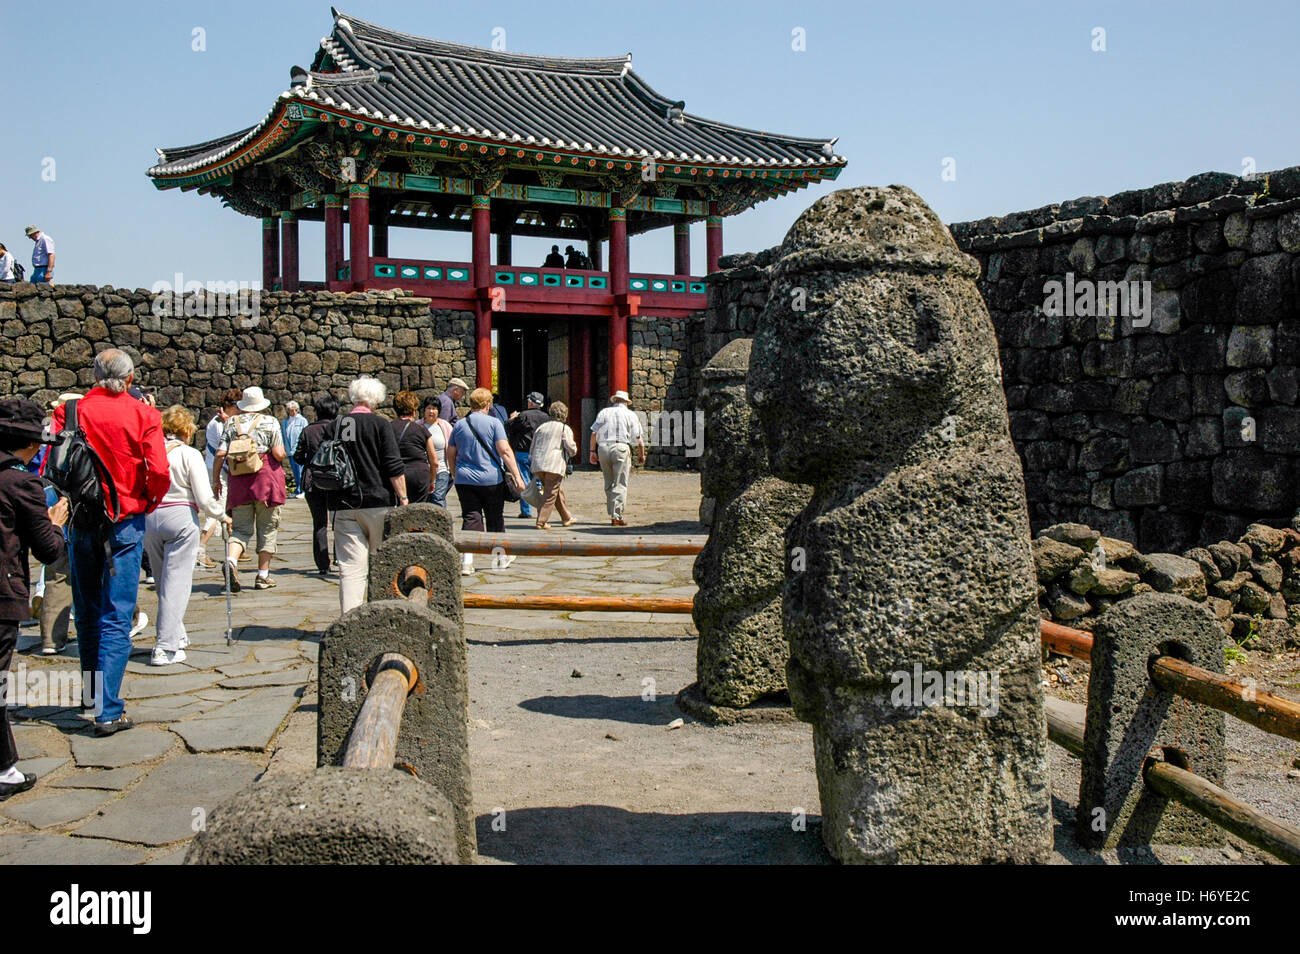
x=593 y=107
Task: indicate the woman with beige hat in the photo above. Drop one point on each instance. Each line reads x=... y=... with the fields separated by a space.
x=254 y=447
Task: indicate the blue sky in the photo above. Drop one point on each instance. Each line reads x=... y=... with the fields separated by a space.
x=1012 y=91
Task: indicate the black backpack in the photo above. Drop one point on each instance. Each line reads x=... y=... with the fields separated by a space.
x=79 y=474
x=331 y=466
x=19 y=272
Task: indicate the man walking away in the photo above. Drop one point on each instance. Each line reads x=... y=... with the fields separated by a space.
x=448 y=399
x=520 y=430
x=291 y=429
x=106 y=548
x=25 y=525
x=613 y=434
x=42 y=255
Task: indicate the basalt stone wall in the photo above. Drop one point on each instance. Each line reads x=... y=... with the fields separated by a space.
x=299 y=345
x=1166 y=429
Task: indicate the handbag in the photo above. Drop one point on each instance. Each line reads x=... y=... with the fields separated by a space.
x=533 y=493
x=511 y=493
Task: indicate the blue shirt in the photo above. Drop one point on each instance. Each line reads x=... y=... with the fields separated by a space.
x=473 y=465
x=291 y=429
x=42 y=251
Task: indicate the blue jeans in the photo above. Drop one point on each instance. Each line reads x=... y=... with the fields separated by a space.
x=38 y=274
x=104 y=589
x=522 y=458
x=441 y=484
x=297 y=476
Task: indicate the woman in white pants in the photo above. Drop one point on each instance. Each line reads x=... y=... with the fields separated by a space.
x=171 y=533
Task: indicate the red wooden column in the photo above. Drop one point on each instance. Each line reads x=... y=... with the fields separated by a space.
x=289 y=250
x=270 y=251
x=618 y=286
x=359 y=233
x=682 y=248
x=378 y=228
x=577 y=327
x=481 y=270
x=333 y=238
x=713 y=237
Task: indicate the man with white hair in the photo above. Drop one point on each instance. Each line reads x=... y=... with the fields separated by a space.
x=381 y=485
x=615 y=431
x=107 y=544
x=291 y=429
x=448 y=399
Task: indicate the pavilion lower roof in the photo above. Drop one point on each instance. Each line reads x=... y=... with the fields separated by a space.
x=379 y=83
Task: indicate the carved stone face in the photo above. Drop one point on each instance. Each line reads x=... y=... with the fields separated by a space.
x=734 y=452
x=858 y=349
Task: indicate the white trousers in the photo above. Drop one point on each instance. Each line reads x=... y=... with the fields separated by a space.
x=356 y=533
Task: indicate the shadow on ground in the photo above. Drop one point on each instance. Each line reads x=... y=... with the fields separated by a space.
x=604 y=835
x=632 y=709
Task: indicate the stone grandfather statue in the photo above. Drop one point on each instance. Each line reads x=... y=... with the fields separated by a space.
x=742 y=651
x=910 y=596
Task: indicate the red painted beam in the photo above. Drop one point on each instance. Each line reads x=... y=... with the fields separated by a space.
x=359 y=234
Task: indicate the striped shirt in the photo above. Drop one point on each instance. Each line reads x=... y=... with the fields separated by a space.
x=617 y=424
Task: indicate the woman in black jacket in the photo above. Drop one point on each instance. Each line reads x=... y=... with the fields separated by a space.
x=318 y=431
x=26 y=525
x=380 y=485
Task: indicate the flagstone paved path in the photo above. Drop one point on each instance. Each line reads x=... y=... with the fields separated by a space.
x=577 y=750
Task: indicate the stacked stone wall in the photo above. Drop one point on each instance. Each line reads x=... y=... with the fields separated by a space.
x=1170 y=428
x=299 y=345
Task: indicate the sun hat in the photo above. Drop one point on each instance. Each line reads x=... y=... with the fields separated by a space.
x=24 y=418
x=620 y=396
x=535 y=397
x=63 y=399
x=458 y=383
x=253 y=400
x=30 y=230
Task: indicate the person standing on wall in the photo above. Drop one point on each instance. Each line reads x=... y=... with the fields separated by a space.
x=42 y=255
x=520 y=430
x=613 y=434
x=26 y=525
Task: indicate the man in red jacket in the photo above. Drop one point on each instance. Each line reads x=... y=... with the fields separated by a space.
x=106 y=548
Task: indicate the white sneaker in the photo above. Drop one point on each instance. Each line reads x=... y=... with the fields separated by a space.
x=161 y=657
x=138 y=626
x=467 y=565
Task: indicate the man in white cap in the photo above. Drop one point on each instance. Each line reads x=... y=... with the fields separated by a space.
x=42 y=255
x=613 y=435
x=255 y=447
x=448 y=399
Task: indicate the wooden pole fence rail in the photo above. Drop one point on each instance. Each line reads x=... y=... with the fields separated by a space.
x=1065 y=720
x=637 y=546
x=1224 y=809
x=372 y=743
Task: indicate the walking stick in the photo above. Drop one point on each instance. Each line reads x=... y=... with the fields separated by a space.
x=225 y=575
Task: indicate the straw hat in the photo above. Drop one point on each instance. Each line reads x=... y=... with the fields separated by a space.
x=620 y=396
